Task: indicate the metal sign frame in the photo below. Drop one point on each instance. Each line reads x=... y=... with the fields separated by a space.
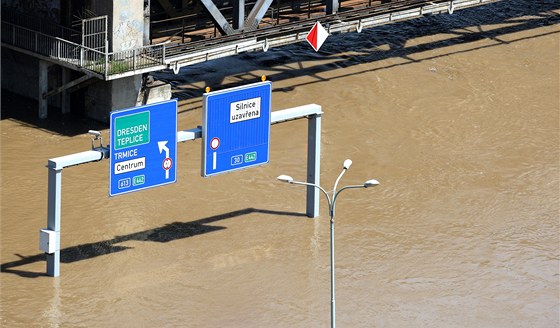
x=55 y=166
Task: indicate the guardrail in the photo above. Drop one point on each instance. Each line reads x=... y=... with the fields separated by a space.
x=97 y=63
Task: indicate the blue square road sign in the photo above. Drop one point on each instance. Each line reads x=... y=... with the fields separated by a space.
x=143 y=147
x=236 y=128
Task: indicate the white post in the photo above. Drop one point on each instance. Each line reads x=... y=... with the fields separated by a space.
x=53 y=219
x=55 y=167
x=313 y=164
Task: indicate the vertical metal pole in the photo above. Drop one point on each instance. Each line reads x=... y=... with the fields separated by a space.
x=333 y=308
x=313 y=164
x=106 y=65
x=277 y=12
x=183 y=31
x=332 y=7
x=238 y=14
x=106 y=44
x=53 y=219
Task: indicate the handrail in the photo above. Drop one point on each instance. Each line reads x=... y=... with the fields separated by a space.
x=83 y=57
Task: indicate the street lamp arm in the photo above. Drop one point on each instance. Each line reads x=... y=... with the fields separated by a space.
x=337 y=180
x=335 y=196
x=316 y=186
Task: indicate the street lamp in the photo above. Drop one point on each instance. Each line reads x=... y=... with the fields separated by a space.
x=331 y=202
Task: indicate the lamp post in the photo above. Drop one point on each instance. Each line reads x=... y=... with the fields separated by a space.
x=332 y=201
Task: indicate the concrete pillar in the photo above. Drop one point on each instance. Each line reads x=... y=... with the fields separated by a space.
x=65 y=97
x=313 y=164
x=127 y=30
x=43 y=88
x=127 y=26
x=104 y=97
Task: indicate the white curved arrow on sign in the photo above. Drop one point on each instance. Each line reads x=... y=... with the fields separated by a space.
x=162 y=146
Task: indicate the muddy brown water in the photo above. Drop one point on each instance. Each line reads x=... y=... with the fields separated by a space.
x=456 y=116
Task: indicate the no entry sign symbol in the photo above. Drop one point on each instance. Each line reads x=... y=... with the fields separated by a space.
x=167 y=163
x=215 y=143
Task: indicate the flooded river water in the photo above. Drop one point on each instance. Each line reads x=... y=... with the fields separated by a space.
x=457 y=117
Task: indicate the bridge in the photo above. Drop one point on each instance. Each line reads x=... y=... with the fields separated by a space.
x=70 y=48
x=107 y=49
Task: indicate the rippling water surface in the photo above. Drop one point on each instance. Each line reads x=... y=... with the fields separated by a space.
x=457 y=117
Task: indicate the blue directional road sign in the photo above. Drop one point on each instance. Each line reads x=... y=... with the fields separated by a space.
x=143 y=147
x=236 y=128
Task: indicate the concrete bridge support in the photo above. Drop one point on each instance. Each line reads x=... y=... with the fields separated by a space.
x=127 y=30
x=43 y=87
x=51 y=84
x=103 y=97
x=65 y=96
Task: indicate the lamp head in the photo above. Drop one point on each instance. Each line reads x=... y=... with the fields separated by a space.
x=371 y=183
x=285 y=178
x=94 y=133
x=347 y=164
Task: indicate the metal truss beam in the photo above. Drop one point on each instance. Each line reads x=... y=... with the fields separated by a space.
x=219 y=20
x=257 y=14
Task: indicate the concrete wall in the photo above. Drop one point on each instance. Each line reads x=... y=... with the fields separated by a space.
x=126 y=22
x=20 y=75
x=104 y=97
x=126 y=31
x=44 y=8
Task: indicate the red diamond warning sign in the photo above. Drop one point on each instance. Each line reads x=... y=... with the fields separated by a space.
x=317 y=36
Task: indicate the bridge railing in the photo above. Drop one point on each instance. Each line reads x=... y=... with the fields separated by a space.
x=136 y=59
x=97 y=63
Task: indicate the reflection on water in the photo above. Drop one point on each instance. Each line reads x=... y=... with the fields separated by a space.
x=53 y=314
x=457 y=116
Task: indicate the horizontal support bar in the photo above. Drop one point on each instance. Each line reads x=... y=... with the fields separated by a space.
x=67 y=86
x=276 y=117
x=100 y=153
x=191 y=134
x=294 y=113
x=59 y=163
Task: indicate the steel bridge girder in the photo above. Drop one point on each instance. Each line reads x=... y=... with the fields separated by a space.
x=257 y=14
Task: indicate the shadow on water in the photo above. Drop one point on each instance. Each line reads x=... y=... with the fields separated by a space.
x=25 y=111
x=463 y=28
x=169 y=232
